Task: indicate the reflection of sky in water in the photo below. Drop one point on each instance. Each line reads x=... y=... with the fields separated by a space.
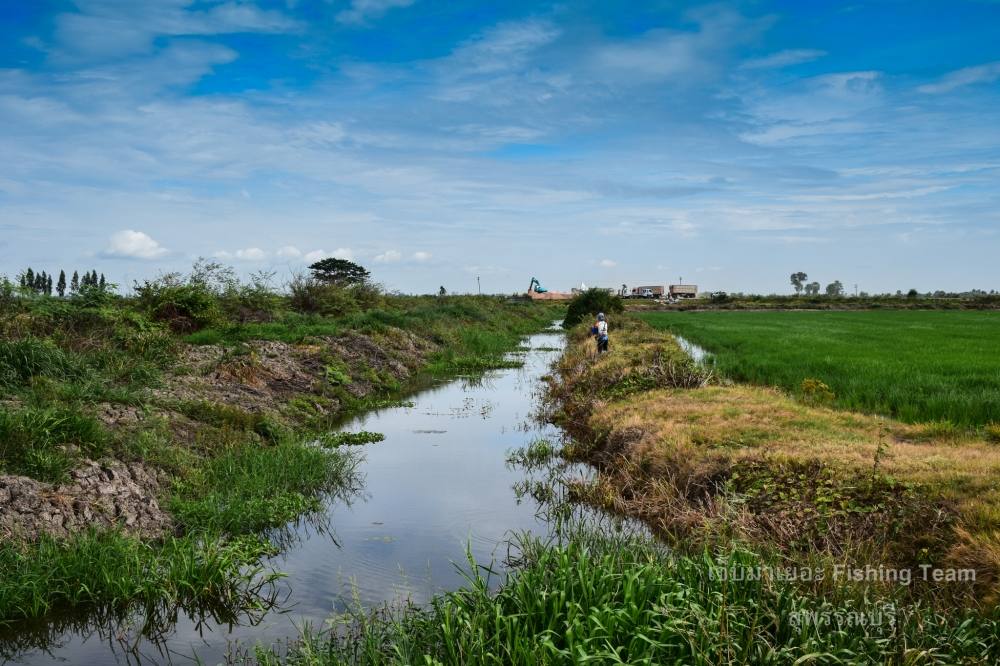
x=428 y=496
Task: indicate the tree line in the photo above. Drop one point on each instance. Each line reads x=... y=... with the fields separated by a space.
x=835 y=288
x=41 y=283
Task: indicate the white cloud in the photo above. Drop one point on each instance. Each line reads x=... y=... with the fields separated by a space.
x=967 y=76
x=130 y=244
x=683 y=55
x=245 y=254
x=289 y=252
x=110 y=28
x=361 y=11
x=389 y=256
x=785 y=58
x=339 y=253
x=607 y=263
x=421 y=256
x=251 y=254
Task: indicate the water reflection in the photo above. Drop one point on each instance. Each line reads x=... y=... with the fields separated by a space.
x=435 y=491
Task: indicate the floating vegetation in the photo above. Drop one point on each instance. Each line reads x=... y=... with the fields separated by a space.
x=335 y=439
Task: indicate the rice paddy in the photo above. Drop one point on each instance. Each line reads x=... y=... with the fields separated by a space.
x=915 y=366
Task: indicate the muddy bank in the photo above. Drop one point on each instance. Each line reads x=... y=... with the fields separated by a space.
x=210 y=387
x=102 y=494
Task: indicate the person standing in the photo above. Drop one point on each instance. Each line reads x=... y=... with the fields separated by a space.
x=601 y=333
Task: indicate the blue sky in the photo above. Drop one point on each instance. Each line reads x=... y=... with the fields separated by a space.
x=599 y=142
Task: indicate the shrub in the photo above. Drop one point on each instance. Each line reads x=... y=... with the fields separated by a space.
x=816 y=392
x=310 y=296
x=993 y=432
x=183 y=307
x=589 y=303
x=254 y=301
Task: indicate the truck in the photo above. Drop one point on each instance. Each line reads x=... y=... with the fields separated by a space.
x=683 y=291
x=648 y=291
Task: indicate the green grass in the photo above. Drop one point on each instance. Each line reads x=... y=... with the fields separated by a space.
x=252 y=488
x=236 y=477
x=915 y=366
x=35 y=442
x=606 y=600
x=223 y=506
x=111 y=570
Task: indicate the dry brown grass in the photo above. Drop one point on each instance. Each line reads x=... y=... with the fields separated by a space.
x=669 y=456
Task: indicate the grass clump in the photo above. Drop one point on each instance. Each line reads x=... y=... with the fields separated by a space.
x=334 y=440
x=29 y=357
x=255 y=488
x=114 y=570
x=597 y=599
x=44 y=443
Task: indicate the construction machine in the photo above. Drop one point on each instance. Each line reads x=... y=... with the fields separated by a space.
x=536 y=287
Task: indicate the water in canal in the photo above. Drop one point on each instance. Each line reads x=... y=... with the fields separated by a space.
x=436 y=486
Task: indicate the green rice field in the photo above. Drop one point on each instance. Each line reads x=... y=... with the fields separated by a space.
x=917 y=366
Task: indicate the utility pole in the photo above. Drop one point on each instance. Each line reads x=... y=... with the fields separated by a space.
x=479 y=287
x=855 y=289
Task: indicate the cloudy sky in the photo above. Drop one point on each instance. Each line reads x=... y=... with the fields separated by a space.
x=599 y=142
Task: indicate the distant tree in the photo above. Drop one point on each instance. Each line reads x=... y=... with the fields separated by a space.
x=74 y=284
x=442 y=291
x=339 y=271
x=812 y=289
x=913 y=293
x=102 y=283
x=39 y=285
x=93 y=278
x=797 y=281
x=835 y=288
x=29 y=279
x=48 y=285
x=61 y=285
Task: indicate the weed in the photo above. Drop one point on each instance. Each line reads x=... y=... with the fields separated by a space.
x=333 y=440
x=112 y=570
x=537 y=453
x=43 y=442
x=250 y=489
x=815 y=392
x=992 y=431
x=593 y=598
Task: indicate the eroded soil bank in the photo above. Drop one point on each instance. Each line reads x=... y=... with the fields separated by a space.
x=118 y=434
x=706 y=462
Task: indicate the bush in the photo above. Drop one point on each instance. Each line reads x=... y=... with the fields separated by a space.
x=589 y=303
x=309 y=296
x=183 y=307
x=252 y=302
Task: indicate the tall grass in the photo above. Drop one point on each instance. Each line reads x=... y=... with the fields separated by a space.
x=916 y=366
x=606 y=600
x=36 y=442
x=112 y=570
x=251 y=489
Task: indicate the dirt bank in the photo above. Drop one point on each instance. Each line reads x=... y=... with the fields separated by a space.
x=210 y=387
x=705 y=463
